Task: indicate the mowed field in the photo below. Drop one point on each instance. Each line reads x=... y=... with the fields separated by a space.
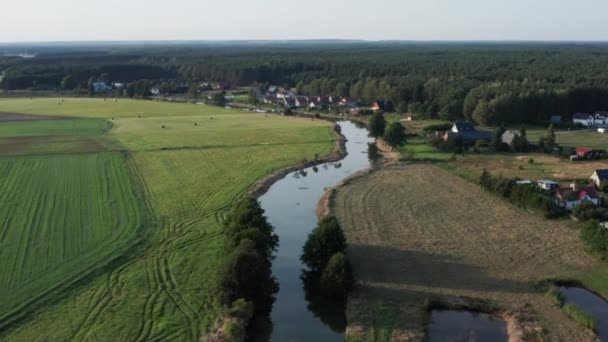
x=163 y=288
x=417 y=232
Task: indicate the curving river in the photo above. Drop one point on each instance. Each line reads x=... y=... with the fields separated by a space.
x=290 y=205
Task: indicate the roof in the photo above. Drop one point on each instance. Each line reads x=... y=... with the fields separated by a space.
x=582 y=116
x=583 y=150
x=464 y=126
x=580 y=194
x=602 y=173
x=547 y=181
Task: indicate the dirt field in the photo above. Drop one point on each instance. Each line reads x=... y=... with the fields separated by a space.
x=417 y=232
x=25 y=117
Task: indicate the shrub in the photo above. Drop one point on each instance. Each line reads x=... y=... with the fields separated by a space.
x=247 y=221
x=337 y=278
x=323 y=242
x=377 y=125
x=586 y=211
x=581 y=317
x=395 y=134
x=437 y=128
x=595 y=237
x=372 y=152
x=555 y=295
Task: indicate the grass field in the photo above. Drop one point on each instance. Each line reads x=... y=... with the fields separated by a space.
x=518 y=165
x=417 y=232
x=190 y=176
x=584 y=138
x=61 y=216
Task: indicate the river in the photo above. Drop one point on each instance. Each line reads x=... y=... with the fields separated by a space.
x=290 y=205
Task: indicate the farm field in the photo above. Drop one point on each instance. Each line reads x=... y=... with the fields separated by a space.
x=418 y=232
x=61 y=217
x=582 y=138
x=163 y=289
x=532 y=166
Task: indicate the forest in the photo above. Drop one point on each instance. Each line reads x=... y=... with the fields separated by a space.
x=489 y=83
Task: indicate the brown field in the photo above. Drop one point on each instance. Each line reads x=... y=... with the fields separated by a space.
x=417 y=232
x=25 y=117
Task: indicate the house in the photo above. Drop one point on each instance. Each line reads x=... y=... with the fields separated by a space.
x=556 y=119
x=467 y=132
x=155 y=91
x=383 y=106
x=270 y=99
x=601 y=130
x=584 y=119
x=349 y=102
x=272 y=90
x=599 y=119
x=547 y=184
x=599 y=177
x=572 y=196
x=508 y=136
x=587 y=153
x=101 y=87
x=301 y=101
x=523 y=182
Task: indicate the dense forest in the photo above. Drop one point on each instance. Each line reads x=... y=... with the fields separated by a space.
x=487 y=83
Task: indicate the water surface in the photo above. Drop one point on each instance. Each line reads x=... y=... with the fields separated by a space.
x=591 y=304
x=452 y=325
x=290 y=206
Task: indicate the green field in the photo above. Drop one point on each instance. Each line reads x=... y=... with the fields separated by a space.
x=61 y=216
x=163 y=289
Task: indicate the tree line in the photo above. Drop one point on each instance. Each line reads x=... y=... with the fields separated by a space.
x=485 y=83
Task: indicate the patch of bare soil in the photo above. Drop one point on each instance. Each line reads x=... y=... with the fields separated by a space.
x=26 y=117
x=416 y=232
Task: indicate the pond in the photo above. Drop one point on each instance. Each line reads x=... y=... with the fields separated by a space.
x=290 y=206
x=455 y=325
x=590 y=303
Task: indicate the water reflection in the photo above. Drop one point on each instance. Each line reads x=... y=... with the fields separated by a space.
x=591 y=304
x=452 y=325
x=298 y=315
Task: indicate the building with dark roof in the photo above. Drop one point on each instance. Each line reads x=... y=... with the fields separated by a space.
x=599 y=177
x=467 y=132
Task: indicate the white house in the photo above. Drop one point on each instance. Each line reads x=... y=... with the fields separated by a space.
x=586 y=120
x=547 y=184
x=571 y=197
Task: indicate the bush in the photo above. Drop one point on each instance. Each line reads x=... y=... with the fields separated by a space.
x=586 y=211
x=595 y=237
x=337 y=278
x=395 y=134
x=377 y=125
x=555 y=295
x=372 y=152
x=437 y=128
x=323 y=242
x=581 y=317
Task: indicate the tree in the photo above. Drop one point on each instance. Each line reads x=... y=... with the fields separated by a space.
x=68 y=82
x=395 y=135
x=247 y=221
x=219 y=99
x=377 y=125
x=248 y=275
x=595 y=237
x=337 y=278
x=520 y=141
x=372 y=152
x=192 y=91
x=324 y=241
x=252 y=97
x=497 y=143
x=550 y=138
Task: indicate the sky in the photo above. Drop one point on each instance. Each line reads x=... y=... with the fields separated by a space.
x=89 y=20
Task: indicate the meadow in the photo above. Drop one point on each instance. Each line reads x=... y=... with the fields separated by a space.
x=417 y=232
x=164 y=287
